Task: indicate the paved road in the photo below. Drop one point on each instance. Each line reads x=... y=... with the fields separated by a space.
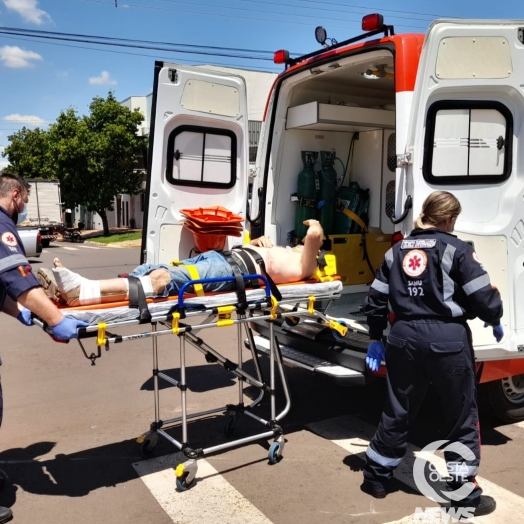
x=68 y=439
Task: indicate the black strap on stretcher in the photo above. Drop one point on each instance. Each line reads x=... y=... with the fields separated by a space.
x=260 y=261
x=241 y=286
x=137 y=299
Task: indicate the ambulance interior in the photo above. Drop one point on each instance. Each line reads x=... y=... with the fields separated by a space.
x=346 y=107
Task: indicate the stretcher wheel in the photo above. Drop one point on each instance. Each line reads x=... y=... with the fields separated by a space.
x=335 y=333
x=182 y=484
x=274 y=455
x=229 y=426
x=146 y=448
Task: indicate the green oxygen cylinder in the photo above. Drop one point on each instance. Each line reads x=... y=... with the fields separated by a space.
x=328 y=190
x=306 y=193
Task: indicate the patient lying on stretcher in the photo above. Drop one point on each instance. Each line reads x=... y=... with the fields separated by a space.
x=160 y=280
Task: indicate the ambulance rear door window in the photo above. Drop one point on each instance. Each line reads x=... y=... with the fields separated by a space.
x=468 y=142
x=201 y=157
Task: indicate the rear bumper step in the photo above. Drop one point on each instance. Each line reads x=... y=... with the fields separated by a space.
x=340 y=374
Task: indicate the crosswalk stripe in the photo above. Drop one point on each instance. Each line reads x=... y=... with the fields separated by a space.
x=353 y=435
x=210 y=500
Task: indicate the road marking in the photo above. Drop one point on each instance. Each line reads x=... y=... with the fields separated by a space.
x=353 y=435
x=210 y=500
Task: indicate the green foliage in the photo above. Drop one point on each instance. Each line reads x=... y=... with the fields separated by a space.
x=93 y=156
x=28 y=154
x=121 y=237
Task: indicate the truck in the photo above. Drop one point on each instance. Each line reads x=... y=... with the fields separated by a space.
x=44 y=209
x=360 y=130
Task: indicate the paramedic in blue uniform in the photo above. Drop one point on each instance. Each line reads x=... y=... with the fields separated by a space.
x=433 y=283
x=20 y=291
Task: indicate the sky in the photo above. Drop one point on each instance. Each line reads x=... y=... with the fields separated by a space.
x=63 y=68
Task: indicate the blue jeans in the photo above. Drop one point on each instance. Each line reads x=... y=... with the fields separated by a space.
x=209 y=264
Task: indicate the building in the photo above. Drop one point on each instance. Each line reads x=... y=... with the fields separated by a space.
x=129 y=209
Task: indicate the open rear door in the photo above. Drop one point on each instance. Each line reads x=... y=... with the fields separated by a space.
x=465 y=128
x=198 y=155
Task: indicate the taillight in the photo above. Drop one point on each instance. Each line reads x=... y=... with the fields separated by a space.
x=281 y=57
x=373 y=22
x=396 y=237
x=38 y=238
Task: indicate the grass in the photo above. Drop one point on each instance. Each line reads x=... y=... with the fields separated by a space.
x=121 y=237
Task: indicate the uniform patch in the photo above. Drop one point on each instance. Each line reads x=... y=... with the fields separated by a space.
x=415 y=263
x=421 y=243
x=477 y=259
x=9 y=239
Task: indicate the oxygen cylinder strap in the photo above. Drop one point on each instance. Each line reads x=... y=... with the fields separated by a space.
x=353 y=216
x=260 y=261
x=307 y=202
x=137 y=299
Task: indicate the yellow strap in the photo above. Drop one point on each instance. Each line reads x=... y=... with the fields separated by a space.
x=193 y=273
x=101 y=339
x=355 y=217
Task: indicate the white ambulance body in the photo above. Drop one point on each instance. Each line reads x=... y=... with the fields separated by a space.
x=406 y=115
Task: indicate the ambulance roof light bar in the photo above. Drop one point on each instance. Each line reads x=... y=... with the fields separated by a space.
x=372 y=25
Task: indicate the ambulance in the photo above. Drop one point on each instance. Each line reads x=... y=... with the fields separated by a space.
x=358 y=133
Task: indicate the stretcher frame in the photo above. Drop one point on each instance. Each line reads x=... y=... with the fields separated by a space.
x=266 y=310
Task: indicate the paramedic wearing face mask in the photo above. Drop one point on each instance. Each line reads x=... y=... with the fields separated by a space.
x=20 y=291
x=432 y=282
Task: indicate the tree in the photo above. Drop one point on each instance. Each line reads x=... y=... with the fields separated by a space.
x=28 y=154
x=95 y=155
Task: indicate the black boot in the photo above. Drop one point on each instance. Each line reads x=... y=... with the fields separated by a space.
x=374 y=488
x=5 y=515
x=486 y=506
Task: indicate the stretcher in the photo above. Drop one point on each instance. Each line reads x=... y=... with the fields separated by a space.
x=171 y=316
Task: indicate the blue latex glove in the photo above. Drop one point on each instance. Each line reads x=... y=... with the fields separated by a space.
x=66 y=328
x=498 y=332
x=376 y=353
x=25 y=317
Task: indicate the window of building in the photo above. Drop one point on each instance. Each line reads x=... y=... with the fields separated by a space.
x=468 y=142
x=202 y=157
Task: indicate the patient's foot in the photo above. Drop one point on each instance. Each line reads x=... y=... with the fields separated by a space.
x=75 y=289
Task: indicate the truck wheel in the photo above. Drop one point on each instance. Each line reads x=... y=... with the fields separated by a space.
x=505 y=398
x=46 y=242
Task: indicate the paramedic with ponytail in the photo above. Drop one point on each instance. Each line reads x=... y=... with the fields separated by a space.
x=433 y=283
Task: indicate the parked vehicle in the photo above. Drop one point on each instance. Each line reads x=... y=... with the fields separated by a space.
x=364 y=128
x=44 y=209
x=32 y=241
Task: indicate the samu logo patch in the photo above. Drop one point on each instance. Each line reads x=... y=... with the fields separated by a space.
x=9 y=239
x=415 y=263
